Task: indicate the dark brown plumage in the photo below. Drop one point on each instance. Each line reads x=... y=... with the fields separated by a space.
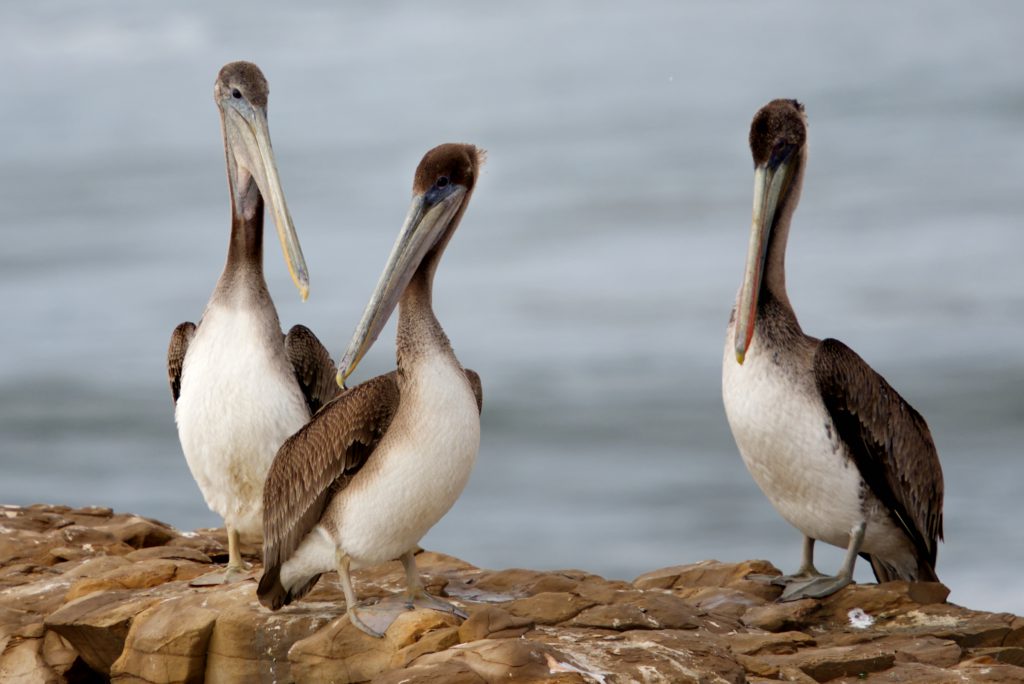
x=891 y=445
x=778 y=127
x=247 y=79
x=458 y=162
x=314 y=368
x=180 y=338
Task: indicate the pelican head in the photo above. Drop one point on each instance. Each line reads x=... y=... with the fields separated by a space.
x=778 y=137
x=241 y=94
x=440 y=193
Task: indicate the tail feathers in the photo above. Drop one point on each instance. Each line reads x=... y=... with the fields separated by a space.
x=886 y=572
x=273 y=594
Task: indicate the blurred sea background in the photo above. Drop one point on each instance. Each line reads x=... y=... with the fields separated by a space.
x=592 y=279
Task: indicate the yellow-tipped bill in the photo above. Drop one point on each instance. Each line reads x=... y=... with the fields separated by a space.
x=249 y=139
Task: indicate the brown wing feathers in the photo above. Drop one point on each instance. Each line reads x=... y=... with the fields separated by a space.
x=890 y=443
x=176 y=350
x=317 y=462
x=312 y=464
x=314 y=369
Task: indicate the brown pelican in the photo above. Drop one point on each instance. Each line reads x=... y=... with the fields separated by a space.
x=240 y=387
x=841 y=456
x=383 y=462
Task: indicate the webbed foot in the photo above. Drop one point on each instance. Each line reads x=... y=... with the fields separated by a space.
x=817 y=587
x=374 y=619
x=786 y=580
x=229 y=575
x=430 y=602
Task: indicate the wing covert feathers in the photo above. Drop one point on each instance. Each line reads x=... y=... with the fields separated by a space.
x=890 y=443
x=176 y=351
x=314 y=369
x=317 y=461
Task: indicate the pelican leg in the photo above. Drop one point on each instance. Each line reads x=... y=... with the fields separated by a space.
x=235 y=563
x=351 y=609
x=418 y=597
x=805 y=572
x=235 y=571
x=820 y=587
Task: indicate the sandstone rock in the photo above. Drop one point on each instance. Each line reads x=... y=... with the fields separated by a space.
x=969 y=629
x=646 y=655
x=493 y=622
x=434 y=673
x=907 y=673
x=97 y=625
x=881 y=602
x=58 y=654
x=40 y=597
x=928 y=650
x=431 y=642
x=508 y=660
x=985 y=670
x=94 y=567
x=713 y=573
x=1010 y=655
x=640 y=610
x=88 y=593
x=23 y=663
x=753 y=644
x=140 y=575
x=169 y=552
x=341 y=653
x=723 y=601
x=249 y=643
x=779 y=617
x=503 y=585
x=167 y=643
x=549 y=607
x=824 y=664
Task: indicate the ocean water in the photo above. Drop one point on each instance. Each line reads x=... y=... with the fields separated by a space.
x=592 y=278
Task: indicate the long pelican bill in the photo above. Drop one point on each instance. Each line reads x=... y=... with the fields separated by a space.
x=770 y=182
x=249 y=137
x=428 y=219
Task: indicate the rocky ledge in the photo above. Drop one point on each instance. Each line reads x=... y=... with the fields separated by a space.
x=89 y=595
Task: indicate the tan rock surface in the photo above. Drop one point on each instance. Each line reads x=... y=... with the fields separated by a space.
x=87 y=594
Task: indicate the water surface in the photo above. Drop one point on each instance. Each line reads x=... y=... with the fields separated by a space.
x=592 y=279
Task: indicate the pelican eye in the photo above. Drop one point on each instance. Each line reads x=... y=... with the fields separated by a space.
x=442 y=182
x=236 y=93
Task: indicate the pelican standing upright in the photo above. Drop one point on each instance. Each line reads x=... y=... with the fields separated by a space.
x=838 y=452
x=240 y=387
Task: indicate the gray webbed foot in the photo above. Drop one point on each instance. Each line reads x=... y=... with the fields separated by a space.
x=785 y=580
x=817 y=587
x=228 y=575
x=429 y=602
x=372 y=619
